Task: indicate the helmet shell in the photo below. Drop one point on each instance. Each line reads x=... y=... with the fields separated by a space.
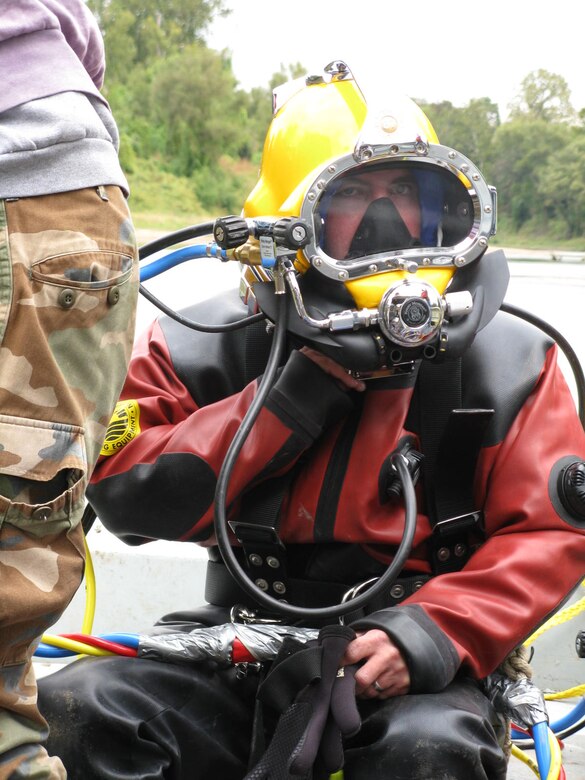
x=325 y=127
x=321 y=121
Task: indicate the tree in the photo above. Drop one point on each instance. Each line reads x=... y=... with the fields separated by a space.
x=561 y=185
x=545 y=96
x=469 y=129
x=521 y=148
x=193 y=99
x=141 y=31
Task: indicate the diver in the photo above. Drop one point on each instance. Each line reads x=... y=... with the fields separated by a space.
x=370 y=239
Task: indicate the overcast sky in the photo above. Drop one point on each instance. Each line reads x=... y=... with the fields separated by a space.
x=455 y=50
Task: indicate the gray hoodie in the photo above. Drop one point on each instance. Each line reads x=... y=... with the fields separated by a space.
x=56 y=130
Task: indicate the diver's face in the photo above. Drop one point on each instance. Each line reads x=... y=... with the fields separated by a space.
x=356 y=192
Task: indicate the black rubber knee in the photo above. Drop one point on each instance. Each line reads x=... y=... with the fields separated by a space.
x=452 y=735
x=119 y=718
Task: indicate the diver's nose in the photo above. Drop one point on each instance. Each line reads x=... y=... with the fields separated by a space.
x=381 y=229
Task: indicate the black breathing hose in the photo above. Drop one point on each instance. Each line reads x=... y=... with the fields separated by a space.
x=170 y=239
x=221 y=523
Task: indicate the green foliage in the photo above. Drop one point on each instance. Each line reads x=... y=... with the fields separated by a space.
x=561 y=185
x=155 y=190
x=192 y=99
x=544 y=96
x=136 y=32
x=520 y=149
x=223 y=188
x=470 y=129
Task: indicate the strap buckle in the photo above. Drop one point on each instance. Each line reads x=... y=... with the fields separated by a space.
x=453 y=541
x=265 y=556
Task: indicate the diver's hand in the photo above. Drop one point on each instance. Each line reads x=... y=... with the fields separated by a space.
x=381 y=661
x=332 y=368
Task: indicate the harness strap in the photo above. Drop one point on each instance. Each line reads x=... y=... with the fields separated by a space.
x=451 y=439
x=223 y=591
x=257 y=531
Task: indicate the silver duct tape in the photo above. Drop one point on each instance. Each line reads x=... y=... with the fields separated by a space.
x=519 y=700
x=264 y=641
x=215 y=642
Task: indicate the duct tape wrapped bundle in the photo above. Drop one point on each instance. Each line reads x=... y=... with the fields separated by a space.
x=519 y=700
x=227 y=644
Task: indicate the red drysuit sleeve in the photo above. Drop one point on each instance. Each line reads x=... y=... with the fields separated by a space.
x=161 y=482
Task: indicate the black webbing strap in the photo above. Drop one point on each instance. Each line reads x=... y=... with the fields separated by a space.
x=456 y=462
x=451 y=439
x=293 y=673
x=257 y=350
x=257 y=531
x=222 y=590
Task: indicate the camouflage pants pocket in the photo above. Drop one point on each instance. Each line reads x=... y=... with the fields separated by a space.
x=67 y=310
x=43 y=475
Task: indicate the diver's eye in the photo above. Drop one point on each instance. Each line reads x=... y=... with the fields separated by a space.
x=352 y=190
x=403 y=188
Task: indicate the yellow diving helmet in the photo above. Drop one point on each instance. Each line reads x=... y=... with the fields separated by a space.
x=390 y=214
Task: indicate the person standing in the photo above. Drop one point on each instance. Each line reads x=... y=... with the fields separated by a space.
x=68 y=264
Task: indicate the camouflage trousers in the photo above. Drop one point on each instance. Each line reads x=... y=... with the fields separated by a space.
x=68 y=288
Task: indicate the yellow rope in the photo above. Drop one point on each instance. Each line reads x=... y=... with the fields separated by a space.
x=578 y=690
x=558 y=619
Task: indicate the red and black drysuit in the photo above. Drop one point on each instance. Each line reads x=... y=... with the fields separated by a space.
x=337 y=521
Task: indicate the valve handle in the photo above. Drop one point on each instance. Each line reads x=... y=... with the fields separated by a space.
x=230 y=232
x=291 y=233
